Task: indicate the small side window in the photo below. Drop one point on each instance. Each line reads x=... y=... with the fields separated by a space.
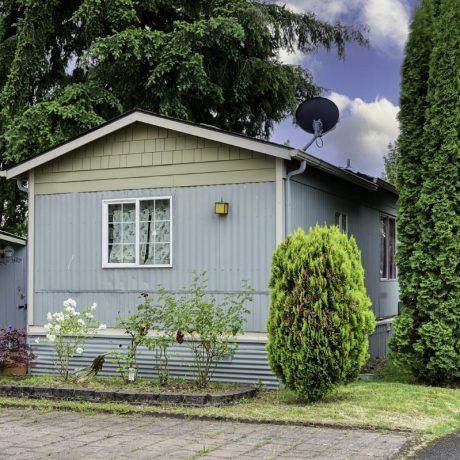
x=341 y=220
x=387 y=248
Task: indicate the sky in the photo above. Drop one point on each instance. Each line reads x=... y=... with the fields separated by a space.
x=365 y=86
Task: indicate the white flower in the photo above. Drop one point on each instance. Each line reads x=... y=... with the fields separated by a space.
x=57 y=328
x=51 y=337
x=89 y=315
x=49 y=316
x=47 y=327
x=79 y=350
x=103 y=326
x=59 y=316
x=93 y=307
x=70 y=310
x=37 y=340
x=81 y=321
x=70 y=303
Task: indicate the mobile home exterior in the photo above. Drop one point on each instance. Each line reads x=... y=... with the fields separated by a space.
x=130 y=205
x=13 y=280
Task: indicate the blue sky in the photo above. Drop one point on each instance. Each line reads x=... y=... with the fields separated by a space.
x=365 y=86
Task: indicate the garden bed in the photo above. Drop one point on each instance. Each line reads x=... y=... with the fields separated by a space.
x=112 y=390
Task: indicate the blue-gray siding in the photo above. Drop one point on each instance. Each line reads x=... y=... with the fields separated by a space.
x=13 y=289
x=238 y=246
x=316 y=199
x=249 y=365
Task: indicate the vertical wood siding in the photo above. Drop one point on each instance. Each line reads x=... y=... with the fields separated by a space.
x=239 y=246
x=13 y=283
x=312 y=204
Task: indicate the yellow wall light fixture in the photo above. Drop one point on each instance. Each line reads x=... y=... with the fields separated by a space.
x=221 y=208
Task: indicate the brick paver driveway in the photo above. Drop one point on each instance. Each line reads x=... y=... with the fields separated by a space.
x=26 y=434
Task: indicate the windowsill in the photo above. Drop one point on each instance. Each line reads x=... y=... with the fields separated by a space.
x=388 y=279
x=135 y=266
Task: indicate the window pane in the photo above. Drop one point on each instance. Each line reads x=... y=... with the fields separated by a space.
x=129 y=233
x=162 y=253
x=129 y=251
x=383 y=248
x=337 y=219
x=147 y=208
x=147 y=254
x=162 y=210
x=162 y=232
x=391 y=248
x=115 y=213
x=146 y=232
x=129 y=212
x=115 y=231
x=345 y=223
x=115 y=253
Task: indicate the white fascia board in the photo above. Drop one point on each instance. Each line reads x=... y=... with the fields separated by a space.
x=2 y=173
x=71 y=145
x=12 y=239
x=216 y=135
x=167 y=123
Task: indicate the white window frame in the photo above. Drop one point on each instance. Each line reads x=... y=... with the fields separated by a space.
x=341 y=215
x=105 y=232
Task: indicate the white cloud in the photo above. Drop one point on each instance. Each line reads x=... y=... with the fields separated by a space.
x=294 y=58
x=388 y=20
x=363 y=133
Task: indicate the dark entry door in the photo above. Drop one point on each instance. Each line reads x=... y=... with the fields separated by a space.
x=13 y=289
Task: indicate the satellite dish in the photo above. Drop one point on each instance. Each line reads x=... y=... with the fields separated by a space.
x=317 y=109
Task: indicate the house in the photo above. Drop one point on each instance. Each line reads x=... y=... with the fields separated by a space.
x=93 y=199
x=13 y=280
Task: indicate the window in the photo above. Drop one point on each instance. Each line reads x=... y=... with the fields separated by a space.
x=341 y=220
x=137 y=232
x=387 y=248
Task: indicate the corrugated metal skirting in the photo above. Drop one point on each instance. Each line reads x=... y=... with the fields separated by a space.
x=249 y=364
x=378 y=341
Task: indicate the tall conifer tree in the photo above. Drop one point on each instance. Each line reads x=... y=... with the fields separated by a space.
x=427 y=334
x=66 y=66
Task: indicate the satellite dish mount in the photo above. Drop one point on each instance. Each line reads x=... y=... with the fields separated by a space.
x=317 y=116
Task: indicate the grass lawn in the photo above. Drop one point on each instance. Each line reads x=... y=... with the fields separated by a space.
x=390 y=403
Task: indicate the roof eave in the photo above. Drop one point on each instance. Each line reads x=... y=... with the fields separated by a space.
x=334 y=170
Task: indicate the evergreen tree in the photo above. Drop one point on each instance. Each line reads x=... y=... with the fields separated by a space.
x=390 y=161
x=66 y=66
x=427 y=334
x=319 y=321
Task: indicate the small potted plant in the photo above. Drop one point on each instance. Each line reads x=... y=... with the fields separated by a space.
x=15 y=354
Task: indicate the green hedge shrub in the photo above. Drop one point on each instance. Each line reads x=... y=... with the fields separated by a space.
x=319 y=319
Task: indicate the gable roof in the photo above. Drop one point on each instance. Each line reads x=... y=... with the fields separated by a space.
x=193 y=129
x=153 y=119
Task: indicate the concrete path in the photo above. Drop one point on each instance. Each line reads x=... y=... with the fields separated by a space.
x=26 y=434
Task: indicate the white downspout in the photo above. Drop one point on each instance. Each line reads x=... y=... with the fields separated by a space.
x=300 y=170
x=318 y=128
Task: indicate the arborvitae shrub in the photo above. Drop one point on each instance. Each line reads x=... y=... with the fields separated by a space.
x=319 y=319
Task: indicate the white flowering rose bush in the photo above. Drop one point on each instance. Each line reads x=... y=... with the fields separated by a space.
x=68 y=331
